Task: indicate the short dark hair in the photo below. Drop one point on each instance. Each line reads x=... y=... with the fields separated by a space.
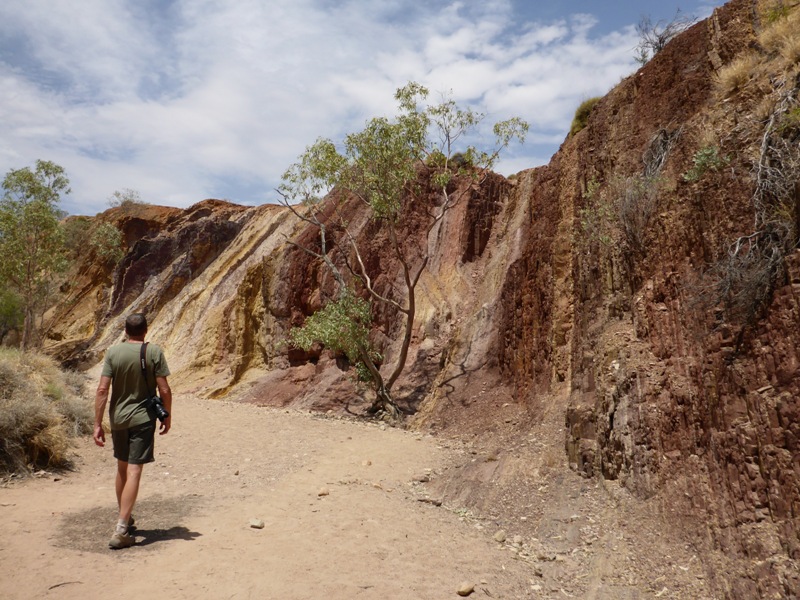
x=136 y=325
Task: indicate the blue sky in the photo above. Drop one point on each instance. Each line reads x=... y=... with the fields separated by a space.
x=184 y=100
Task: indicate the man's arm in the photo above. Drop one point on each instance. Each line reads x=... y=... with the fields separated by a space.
x=166 y=396
x=100 y=400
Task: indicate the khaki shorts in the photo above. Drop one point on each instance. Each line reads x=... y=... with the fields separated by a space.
x=135 y=445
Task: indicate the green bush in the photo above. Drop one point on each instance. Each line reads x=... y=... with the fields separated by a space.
x=582 y=114
x=82 y=233
x=11 y=316
x=76 y=234
x=107 y=242
x=789 y=121
x=705 y=159
x=342 y=326
x=41 y=409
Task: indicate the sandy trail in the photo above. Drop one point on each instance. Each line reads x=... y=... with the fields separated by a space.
x=225 y=464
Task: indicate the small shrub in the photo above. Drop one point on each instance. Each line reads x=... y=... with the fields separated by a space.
x=41 y=409
x=789 y=121
x=740 y=285
x=735 y=75
x=582 y=114
x=597 y=216
x=106 y=240
x=621 y=213
x=776 y=175
x=705 y=159
x=653 y=37
x=658 y=151
x=743 y=281
x=341 y=326
x=125 y=198
x=634 y=200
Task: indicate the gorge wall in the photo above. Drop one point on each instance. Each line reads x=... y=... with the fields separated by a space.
x=546 y=291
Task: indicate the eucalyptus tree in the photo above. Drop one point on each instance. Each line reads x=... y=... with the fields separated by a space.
x=381 y=167
x=31 y=237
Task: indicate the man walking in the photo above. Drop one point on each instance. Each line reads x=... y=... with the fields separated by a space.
x=133 y=424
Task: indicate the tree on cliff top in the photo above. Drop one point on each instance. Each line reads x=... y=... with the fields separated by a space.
x=381 y=166
x=653 y=37
x=31 y=239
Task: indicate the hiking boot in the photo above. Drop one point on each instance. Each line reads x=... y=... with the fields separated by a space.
x=121 y=540
x=131 y=522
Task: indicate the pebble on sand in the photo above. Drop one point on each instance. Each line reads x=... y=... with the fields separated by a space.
x=466 y=589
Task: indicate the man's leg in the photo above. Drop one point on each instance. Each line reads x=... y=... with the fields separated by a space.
x=128 y=478
x=122 y=478
x=132 y=448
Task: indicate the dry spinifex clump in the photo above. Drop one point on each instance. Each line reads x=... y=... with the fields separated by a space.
x=779 y=51
x=41 y=409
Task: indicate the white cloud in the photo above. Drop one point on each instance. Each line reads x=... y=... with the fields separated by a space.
x=181 y=100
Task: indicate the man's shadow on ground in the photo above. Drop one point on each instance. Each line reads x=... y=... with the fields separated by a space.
x=145 y=537
x=90 y=530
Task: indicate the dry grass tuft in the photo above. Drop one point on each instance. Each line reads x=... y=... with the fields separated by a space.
x=736 y=75
x=790 y=47
x=782 y=36
x=41 y=409
x=582 y=114
x=771 y=37
x=764 y=110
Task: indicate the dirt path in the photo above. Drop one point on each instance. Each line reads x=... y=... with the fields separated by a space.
x=340 y=504
x=338 y=500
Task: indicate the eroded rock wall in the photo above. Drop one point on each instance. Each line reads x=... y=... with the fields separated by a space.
x=657 y=391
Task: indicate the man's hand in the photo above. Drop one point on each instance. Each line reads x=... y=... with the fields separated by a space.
x=99 y=436
x=166 y=397
x=100 y=399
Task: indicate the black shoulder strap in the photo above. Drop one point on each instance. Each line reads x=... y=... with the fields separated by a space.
x=143 y=364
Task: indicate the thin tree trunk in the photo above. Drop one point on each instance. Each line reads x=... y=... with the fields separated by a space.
x=409 y=311
x=383 y=396
x=27 y=328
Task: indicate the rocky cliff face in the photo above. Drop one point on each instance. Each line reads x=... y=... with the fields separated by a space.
x=583 y=289
x=660 y=389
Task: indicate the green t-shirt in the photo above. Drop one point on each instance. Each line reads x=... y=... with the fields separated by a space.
x=129 y=392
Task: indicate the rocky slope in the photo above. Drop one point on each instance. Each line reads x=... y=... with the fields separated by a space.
x=580 y=294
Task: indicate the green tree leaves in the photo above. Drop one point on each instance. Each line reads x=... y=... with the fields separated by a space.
x=342 y=326
x=106 y=241
x=31 y=239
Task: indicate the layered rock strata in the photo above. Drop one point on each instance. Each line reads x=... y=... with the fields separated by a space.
x=545 y=292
